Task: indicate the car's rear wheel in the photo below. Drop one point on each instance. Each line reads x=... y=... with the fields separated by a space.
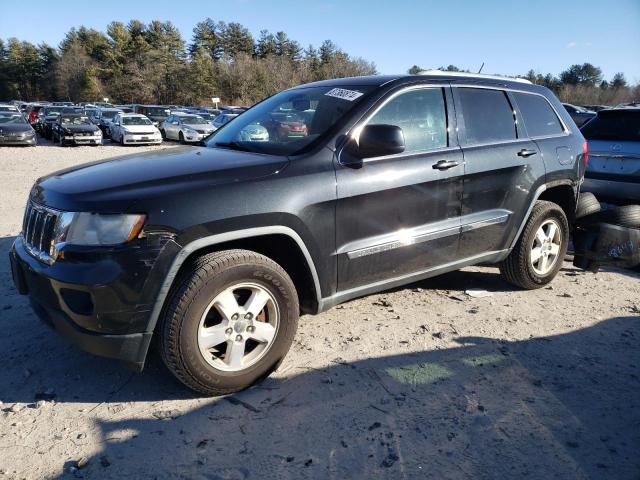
x=181 y=138
x=163 y=134
x=229 y=322
x=540 y=250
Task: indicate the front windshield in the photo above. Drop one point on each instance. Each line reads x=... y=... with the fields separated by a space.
x=52 y=110
x=193 y=120
x=135 y=121
x=12 y=118
x=75 y=121
x=290 y=121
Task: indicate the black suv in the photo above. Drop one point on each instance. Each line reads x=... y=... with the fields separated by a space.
x=216 y=249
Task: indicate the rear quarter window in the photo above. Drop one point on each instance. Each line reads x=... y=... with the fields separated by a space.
x=488 y=115
x=614 y=125
x=539 y=117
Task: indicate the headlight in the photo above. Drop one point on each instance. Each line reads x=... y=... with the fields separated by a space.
x=83 y=228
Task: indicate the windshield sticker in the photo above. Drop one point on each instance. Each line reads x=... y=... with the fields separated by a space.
x=344 y=94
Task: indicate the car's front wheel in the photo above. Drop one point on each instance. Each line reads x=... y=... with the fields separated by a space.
x=540 y=250
x=229 y=322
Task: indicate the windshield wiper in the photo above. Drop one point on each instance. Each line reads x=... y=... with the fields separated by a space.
x=232 y=146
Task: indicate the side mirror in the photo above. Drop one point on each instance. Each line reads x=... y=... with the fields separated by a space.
x=118 y=123
x=380 y=140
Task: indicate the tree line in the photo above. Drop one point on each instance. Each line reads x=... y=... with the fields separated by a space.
x=152 y=63
x=579 y=84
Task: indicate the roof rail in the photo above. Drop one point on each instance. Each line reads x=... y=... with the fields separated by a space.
x=472 y=75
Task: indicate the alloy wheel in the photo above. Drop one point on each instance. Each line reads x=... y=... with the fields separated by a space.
x=238 y=327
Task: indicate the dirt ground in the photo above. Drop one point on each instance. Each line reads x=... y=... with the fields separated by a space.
x=424 y=381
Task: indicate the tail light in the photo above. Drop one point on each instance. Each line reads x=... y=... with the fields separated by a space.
x=585 y=153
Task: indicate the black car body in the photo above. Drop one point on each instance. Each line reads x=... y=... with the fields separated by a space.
x=381 y=192
x=579 y=115
x=76 y=130
x=16 y=130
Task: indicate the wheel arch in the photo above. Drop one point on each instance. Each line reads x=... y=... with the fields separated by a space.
x=563 y=195
x=281 y=244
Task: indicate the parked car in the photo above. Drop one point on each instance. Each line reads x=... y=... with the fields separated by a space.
x=32 y=113
x=73 y=129
x=62 y=104
x=282 y=125
x=155 y=113
x=613 y=173
x=185 y=128
x=217 y=249
x=9 y=108
x=594 y=108
x=47 y=117
x=133 y=128
x=103 y=118
x=579 y=115
x=15 y=130
x=223 y=119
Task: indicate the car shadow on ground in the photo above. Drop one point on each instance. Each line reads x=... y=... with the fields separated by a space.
x=565 y=406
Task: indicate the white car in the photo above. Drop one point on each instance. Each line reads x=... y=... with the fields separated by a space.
x=254 y=132
x=185 y=127
x=134 y=129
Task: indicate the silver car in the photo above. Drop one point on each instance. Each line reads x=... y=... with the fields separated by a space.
x=254 y=132
x=185 y=127
x=613 y=171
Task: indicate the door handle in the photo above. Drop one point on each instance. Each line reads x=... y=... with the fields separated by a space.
x=445 y=164
x=526 y=153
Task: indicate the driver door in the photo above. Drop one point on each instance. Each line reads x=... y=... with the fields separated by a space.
x=399 y=215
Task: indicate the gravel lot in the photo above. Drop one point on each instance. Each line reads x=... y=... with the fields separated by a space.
x=424 y=381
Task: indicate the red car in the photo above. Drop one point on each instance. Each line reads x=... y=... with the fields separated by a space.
x=286 y=125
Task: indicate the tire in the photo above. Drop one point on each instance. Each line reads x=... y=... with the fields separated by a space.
x=588 y=204
x=520 y=268
x=625 y=216
x=163 y=134
x=122 y=139
x=181 y=138
x=191 y=306
x=62 y=141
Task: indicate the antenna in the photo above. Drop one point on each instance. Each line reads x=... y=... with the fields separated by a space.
x=481 y=67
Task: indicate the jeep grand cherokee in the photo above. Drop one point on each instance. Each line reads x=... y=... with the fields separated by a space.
x=216 y=249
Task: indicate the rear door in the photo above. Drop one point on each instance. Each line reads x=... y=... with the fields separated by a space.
x=400 y=214
x=502 y=168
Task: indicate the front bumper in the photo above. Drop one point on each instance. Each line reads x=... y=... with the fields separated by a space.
x=100 y=301
x=195 y=137
x=83 y=139
x=130 y=139
x=6 y=140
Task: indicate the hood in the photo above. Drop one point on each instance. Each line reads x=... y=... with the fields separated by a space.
x=114 y=185
x=80 y=128
x=140 y=128
x=15 y=128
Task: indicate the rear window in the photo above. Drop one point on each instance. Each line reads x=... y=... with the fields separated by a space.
x=539 y=118
x=488 y=115
x=614 y=125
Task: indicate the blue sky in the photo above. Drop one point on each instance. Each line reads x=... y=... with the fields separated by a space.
x=509 y=36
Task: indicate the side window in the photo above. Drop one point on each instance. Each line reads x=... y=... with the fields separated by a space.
x=422 y=116
x=116 y=119
x=488 y=115
x=539 y=118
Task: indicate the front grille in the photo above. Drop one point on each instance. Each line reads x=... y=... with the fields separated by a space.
x=201 y=131
x=38 y=230
x=143 y=133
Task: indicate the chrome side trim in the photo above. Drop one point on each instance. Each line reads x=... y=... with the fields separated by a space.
x=536 y=195
x=424 y=233
x=487 y=257
x=221 y=238
x=425 y=237
x=485 y=223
